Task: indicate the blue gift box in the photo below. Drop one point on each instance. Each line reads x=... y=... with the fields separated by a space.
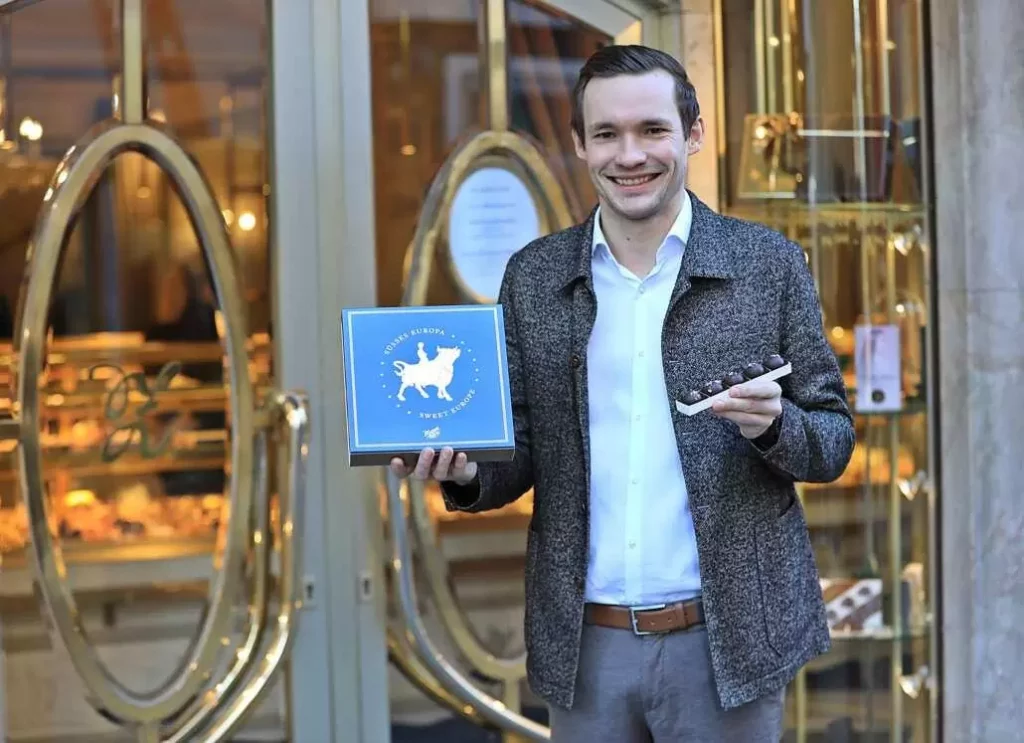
x=418 y=377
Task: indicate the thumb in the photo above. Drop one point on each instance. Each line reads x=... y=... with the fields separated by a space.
x=463 y=471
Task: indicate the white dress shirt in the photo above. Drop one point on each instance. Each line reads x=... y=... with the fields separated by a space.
x=642 y=545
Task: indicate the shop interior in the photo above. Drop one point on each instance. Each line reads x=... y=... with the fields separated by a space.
x=819 y=121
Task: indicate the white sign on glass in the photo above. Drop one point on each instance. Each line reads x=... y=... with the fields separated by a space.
x=877 y=368
x=492 y=216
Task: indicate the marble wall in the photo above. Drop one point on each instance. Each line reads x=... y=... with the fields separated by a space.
x=978 y=113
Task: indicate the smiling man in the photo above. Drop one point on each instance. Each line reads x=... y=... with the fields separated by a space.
x=671 y=589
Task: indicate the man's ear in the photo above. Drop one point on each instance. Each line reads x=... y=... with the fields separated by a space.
x=581 y=151
x=696 y=139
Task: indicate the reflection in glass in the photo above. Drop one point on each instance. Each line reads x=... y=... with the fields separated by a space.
x=135 y=402
x=546 y=50
x=427 y=91
x=822 y=114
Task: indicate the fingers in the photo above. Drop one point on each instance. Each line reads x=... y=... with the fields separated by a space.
x=759 y=398
x=751 y=407
x=771 y=407
x=444 y=462
x=748 y=420
x=757 y=390
x=443 y=465
x=399 y=468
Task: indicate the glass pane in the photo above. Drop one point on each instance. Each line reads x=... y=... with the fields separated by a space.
x=427 y=96
x=135 y=405
x=822 y=114
x=430 y=95
x=546 y=50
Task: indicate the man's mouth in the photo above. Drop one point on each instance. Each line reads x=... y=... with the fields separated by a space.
x=633 y=180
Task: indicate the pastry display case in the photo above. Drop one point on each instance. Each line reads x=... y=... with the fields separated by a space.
x=117 y=496
x=821 y=115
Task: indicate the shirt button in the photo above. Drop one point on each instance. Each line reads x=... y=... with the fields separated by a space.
x=632 y=545
x=636 y=417
x=636 y=481
x=641 y=354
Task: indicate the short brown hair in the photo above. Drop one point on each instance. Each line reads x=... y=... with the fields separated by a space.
x=633 y=59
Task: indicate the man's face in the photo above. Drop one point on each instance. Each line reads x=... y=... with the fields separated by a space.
x=634 y=144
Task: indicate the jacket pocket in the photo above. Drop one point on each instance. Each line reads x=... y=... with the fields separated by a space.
x=787 y=577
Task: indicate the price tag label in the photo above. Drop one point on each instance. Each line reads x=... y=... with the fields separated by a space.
x=877 y=368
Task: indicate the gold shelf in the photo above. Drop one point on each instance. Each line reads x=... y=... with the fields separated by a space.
x=106 y=566
x=209 y=455
x=844 y=208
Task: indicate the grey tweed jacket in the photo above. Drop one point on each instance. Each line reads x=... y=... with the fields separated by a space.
x=743 y=293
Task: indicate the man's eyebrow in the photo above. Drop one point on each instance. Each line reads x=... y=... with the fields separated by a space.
x=598 y=126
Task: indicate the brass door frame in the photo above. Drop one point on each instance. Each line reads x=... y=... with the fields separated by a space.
x=191 y=702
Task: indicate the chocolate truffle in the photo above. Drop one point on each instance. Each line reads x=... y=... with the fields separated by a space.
x=712 y=388
x=692 y=397
x=753 y=370
x=732 y=379
x=774 y=362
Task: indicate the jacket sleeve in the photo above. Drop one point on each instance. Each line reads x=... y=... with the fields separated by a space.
x=500 y=483
x=813 y=439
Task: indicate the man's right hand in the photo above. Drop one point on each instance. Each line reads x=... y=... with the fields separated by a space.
x=446 y=466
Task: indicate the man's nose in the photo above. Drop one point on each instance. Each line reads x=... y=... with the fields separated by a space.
x=631 y=154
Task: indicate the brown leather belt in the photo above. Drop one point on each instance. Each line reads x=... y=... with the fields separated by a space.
x=647 y=620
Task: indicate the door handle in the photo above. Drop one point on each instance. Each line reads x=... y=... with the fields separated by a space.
x=287 y=414
x=447 y=675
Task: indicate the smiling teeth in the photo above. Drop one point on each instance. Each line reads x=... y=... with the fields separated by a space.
x=635 y=181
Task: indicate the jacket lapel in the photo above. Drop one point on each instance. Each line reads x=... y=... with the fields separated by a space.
x=583 y=314
x=708 y=255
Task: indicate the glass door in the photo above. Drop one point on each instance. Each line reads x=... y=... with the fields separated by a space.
x=466 y=97
x=824 y=115
x=151 y=470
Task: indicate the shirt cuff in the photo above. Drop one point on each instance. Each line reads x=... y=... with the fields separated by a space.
x=769 y=438
x=460 y=497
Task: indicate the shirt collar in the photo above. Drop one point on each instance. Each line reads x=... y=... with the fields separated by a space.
x=680 y=229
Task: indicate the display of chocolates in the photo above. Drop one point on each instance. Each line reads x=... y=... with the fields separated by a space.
x=700 y=399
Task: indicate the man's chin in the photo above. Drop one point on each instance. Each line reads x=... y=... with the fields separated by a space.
x=636 y=210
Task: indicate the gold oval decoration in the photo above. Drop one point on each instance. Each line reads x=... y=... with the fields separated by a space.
x=523 y=162
x=502 y=149
x=74 y=179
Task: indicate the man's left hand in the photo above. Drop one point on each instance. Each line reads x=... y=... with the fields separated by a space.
x=753 y=407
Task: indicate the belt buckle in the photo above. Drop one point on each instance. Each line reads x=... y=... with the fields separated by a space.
x=632 y=617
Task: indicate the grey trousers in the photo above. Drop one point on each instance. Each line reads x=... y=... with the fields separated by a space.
x=659 y=688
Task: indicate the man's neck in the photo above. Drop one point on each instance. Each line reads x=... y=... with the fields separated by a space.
x=635 y=244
